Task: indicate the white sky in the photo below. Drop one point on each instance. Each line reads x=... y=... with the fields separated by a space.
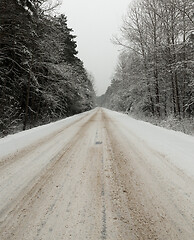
x=94 y=23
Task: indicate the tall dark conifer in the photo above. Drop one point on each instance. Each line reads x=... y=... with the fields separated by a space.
x=16 y=39
x=67 y=39
x=41 y=78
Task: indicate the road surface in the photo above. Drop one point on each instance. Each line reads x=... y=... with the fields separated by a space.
x=90 y=181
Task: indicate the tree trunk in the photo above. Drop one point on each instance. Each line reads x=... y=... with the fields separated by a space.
x=26 y=105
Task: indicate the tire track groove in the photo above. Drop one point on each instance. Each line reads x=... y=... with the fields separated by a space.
x=104 y=218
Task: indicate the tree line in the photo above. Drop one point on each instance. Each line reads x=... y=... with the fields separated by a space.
x=41 y=78
x=155 y=70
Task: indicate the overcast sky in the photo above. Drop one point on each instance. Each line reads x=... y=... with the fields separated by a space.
x=94 y=23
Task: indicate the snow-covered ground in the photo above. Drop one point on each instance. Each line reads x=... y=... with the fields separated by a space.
x=16 y=142
x=175 y=146
x=97 y=175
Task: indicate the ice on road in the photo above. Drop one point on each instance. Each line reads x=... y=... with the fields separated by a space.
x=97 y=175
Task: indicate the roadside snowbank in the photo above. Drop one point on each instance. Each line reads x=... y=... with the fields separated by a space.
x=16 y=142
x=176 y=146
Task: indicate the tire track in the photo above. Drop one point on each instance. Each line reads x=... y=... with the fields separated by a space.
x=104 y=218
x=14 y=213
x=12 y=158
x=103 y=196
x=149 y=212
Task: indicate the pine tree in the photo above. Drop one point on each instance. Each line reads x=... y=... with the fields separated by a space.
x=41 y=79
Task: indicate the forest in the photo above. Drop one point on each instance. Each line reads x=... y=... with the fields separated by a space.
x=41 y=77
x=154 y=76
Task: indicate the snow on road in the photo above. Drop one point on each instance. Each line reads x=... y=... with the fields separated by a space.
x=97 y=175
x=16 y=142
x=175 y=146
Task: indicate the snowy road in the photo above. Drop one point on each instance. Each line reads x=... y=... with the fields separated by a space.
x=98 y=175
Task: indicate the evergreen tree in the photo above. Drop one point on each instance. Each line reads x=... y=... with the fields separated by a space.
x=41 y=79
